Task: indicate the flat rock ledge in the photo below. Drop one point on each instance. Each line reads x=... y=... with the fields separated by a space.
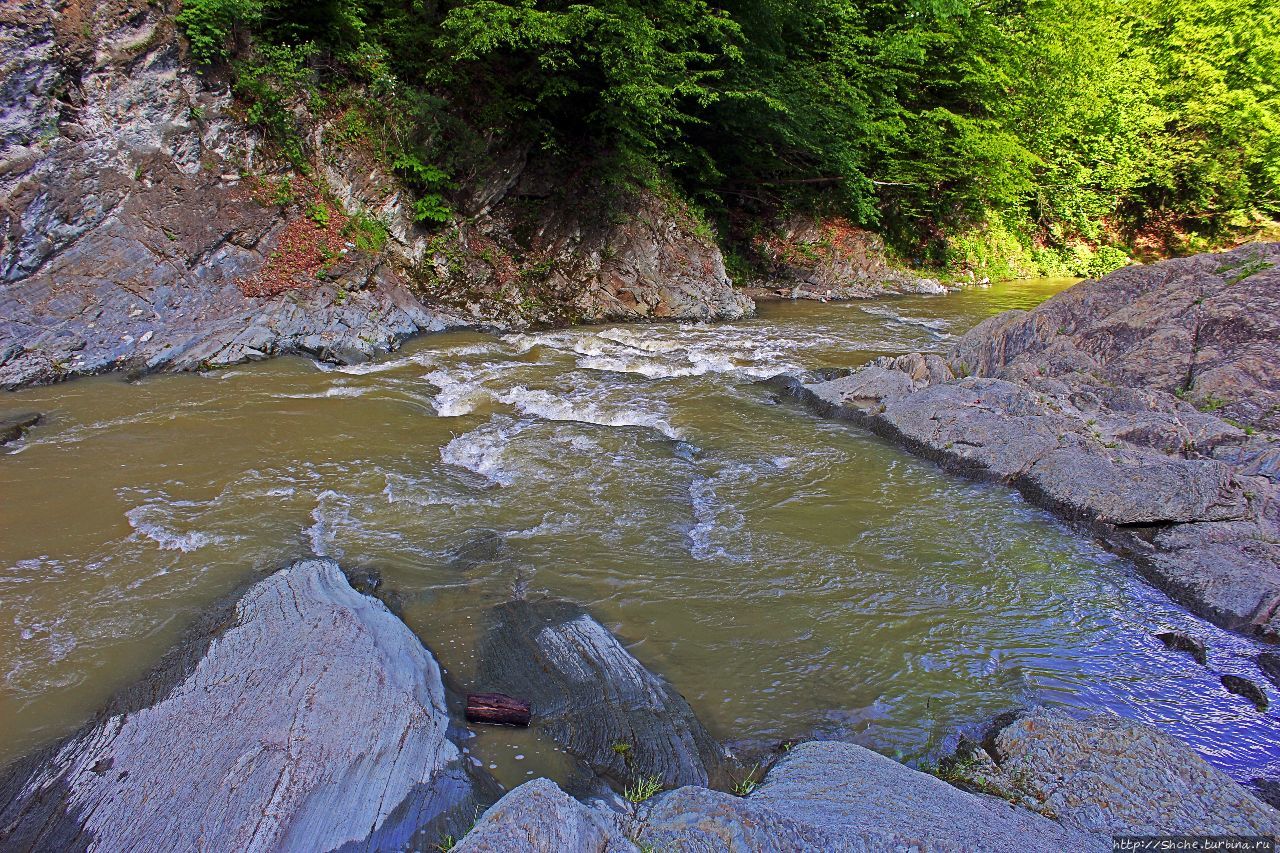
x=1084 y=780
x=590 y=695
x=307 y=718
x=1055 y=403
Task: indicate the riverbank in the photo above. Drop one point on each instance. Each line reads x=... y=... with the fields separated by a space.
x=1141 y=407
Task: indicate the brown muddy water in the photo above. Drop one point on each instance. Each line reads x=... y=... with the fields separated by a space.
x=791 y=576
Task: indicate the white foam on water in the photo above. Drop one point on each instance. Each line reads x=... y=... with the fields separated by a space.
x=559 y=407
x=332 y=510
x=483 y=451
x=456 y=397
x=423 y=359
x=340 y=391
x=152 y=521
x=400 y=488
x=717 y=522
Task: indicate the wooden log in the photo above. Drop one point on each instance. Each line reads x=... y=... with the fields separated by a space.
x=497 y=709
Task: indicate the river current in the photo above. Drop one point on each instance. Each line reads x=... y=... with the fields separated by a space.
x=791 y=576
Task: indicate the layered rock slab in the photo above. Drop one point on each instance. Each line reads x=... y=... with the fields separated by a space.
x=310 y=718
x=842 y=797
x=589 y=694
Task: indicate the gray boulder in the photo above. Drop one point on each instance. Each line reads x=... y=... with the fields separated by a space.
x=305 y=717
x=1104 y=774
x=593 y=697
x=538 y=817
x=841 y=797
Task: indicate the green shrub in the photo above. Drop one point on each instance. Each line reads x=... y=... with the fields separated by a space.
x=1106 y=260
x=429 y=183
x=208 y=25
x=270 y=81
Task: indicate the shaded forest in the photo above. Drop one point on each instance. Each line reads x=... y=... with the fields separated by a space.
x=997 y=132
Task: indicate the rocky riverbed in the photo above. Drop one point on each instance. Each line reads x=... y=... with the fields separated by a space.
x=301 y=714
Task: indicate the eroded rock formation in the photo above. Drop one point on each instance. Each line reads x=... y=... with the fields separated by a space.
x=830 y=259
x=145 y=226
x=307 y=718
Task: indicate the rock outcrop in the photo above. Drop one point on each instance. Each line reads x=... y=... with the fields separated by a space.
x=830 y=259
x=1106 y=775
x=1074 y=405
x=309 y=718
x=1055 y=783
x=589 y=694
x=136 y=212
x=544 y=251
x=144 y=226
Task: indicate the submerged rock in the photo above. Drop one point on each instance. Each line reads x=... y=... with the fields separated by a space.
x=1269 y=663
x=13 y=427
x=306 y=717
x=1182 y=643
x=592 y=697
x=1073 y=404
x=482 y=546
x=1244 y=687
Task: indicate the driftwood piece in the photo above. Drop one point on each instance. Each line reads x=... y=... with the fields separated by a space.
x=497 y=709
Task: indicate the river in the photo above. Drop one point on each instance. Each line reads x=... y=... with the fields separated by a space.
x=791 y=576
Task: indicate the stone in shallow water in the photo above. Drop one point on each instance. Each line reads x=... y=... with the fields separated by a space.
x=308 y=718
x=12 y=427
x=1182 y=643
x=592 y=697
x=1246 y=688
x=1269 y=663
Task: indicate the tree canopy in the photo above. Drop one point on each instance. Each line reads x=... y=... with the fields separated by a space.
x=1059 y=118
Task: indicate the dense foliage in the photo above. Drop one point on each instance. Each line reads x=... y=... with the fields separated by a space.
x=951 y=125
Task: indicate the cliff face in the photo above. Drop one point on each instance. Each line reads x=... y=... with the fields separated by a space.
x=144 y=226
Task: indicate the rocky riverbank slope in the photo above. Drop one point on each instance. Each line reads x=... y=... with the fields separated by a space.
x=303 y=715
x=145 y=225
x=1143 y=406
x=829 y=260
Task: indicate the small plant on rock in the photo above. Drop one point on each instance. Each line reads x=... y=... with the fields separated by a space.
x=748 y=783
x=642 y=788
